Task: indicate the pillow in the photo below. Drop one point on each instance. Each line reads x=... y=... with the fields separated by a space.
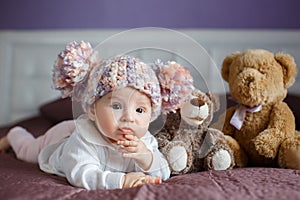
x=57 y=110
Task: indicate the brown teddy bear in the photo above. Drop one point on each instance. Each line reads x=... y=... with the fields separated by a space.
x=261 y=126
x=187 y=142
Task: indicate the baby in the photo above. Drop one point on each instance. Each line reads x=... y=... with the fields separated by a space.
x=108 y=146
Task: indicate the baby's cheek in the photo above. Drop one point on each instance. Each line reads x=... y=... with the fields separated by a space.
x=141 y=130
x=107 y=123
x=144 y=120
x=115 y=117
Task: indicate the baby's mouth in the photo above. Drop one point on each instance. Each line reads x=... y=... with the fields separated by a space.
x=126 y=130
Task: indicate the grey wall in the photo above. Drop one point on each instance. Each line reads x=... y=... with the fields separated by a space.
x=79 y=14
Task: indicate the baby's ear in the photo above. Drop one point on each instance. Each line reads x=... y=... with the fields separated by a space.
x=91 y=113
x=289 y=68
x=226 y=63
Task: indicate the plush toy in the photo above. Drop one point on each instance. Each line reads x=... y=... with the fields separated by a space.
x=188 y=143
x=261 y=126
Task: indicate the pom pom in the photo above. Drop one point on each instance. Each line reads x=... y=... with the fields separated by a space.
x=72 y=66
x=176 y=85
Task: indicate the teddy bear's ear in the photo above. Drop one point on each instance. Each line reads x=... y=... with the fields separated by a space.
x=226 y=63
x=215 y=100
x=289 y=68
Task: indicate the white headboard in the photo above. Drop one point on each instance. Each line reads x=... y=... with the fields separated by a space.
x=27 y=57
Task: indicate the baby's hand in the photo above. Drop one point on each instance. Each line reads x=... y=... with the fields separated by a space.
x=135 y=179
x=134 y=148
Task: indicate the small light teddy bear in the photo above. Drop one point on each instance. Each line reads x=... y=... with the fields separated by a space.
x=188 y=143
x=261 y=128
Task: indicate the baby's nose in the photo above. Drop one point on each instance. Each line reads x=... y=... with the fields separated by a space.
x=127 y=116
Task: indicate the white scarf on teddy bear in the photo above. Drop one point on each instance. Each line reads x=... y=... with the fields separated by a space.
x=240 y=113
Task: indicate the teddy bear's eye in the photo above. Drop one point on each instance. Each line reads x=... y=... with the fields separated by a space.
x=197 y=102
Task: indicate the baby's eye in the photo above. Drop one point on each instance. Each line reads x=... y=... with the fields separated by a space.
x=140 y=110
x=116 y=106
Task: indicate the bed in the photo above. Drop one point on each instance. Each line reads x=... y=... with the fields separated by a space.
x=26 y=58
x=21 y=180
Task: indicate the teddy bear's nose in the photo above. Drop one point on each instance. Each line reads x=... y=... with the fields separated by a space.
x=197 y=102
x=249 y=80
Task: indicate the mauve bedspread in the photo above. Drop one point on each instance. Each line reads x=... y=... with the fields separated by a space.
x=20 y=180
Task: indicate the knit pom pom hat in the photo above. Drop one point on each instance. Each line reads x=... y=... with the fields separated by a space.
x=79 y=74
x=119 y=72
x=72 y=67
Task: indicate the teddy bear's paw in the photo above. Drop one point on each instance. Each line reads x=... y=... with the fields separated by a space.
x=220 y=159
x=266 y=145
x=264 y=149
x=178 y=156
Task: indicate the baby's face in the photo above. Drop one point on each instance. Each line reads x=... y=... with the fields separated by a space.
x=123 y=111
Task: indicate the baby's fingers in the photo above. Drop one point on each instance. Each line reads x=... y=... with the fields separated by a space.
x=152 y=180
x=130 y=137
x=127 y=143
x=147 y=180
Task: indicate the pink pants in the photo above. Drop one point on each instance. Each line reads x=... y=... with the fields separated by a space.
x=27 y=148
